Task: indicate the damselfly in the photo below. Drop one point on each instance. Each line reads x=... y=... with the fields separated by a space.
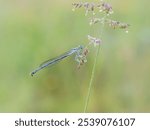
x=53 y=61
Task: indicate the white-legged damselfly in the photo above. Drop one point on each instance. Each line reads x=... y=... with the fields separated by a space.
x=53 y=61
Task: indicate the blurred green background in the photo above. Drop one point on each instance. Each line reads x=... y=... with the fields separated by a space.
x=32 y=31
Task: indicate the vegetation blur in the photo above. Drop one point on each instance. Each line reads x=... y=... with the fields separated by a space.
x=34 y=31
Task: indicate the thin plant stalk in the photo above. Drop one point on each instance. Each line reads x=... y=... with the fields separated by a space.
x=92 y=75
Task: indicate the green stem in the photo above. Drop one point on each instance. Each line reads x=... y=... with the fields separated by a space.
x=92 y=75
x=91 y=80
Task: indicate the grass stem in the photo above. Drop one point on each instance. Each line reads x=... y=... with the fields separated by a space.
x=91 y=80
x=92 y=75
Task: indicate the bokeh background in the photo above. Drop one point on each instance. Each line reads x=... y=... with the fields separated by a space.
x=32 y=31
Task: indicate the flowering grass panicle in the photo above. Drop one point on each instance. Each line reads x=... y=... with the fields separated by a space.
x=82 y=58
x=95 y=41
x=105 y=9
x=91 y=7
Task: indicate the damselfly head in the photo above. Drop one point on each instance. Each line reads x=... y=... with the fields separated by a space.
x=32 y=73
x=78 y=48
x=81 y=47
